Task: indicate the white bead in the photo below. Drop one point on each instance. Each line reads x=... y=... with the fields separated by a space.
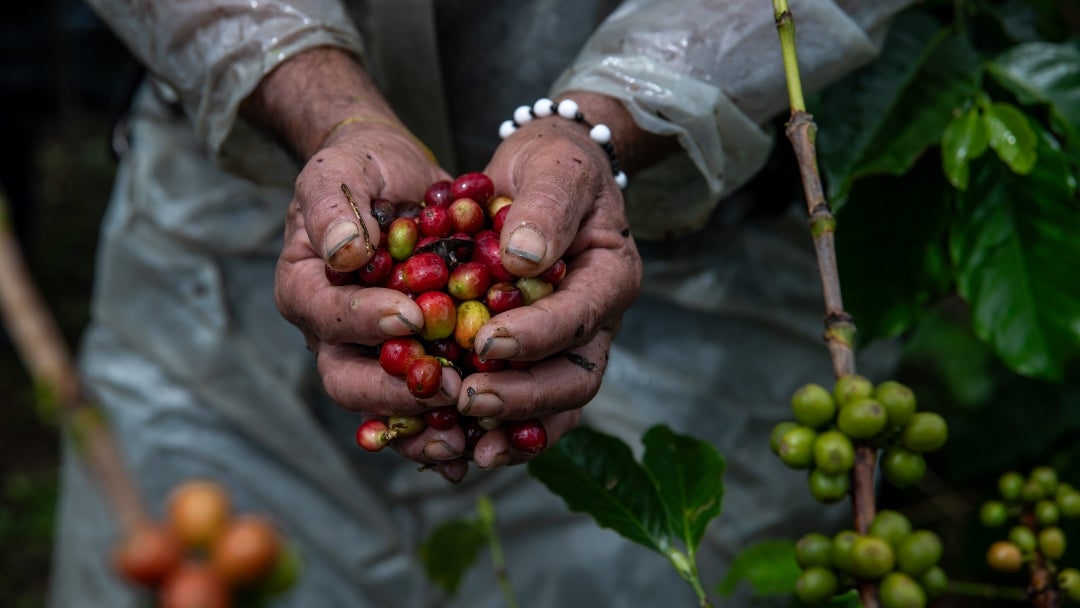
x=523 y=114
x=601 y=134
x=568 y=108
x=620 y=179
x=506 y=129
x=542 y=107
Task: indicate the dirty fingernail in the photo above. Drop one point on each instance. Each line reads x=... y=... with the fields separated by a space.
x=500 y=348
x=484 y=404
x=338 y=236
x=439 y=450
x=500 y=459
x=397 y=324
x=527 y=243
x=452 y=471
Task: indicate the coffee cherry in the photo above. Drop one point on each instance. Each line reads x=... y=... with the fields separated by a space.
x=1009 y=485
x=499 y=219
x=405 y=426
x=338 y=278
x=148 y=554
x=442 y=418
x=424 y=376
x=383 y=212
x=898 y=590
x=467 y=216
x=993 y=513
x=918 y=552
x=1031 y=491
x=851 y=388
x=903 y=468
x=861 y=419
x=1069 y=581
x=813 y=549
x=475 y=185
x=469 y=281
x=440 y=315
x=1069 y=504
x=1051 y=543
x=373 y=435
x=471 y=316
x=871 y=557
x=1046 y=477
x=834 y=452
x=503 y=296
x=425 y=271
x=395 y=355
x=283 y=575
x=377 y=271
x=1024 y=538
x=1004 y=556
x=777 y=432
x=935 y=582
x=533 y=288
x=555 y=273
x=797 y=447
x=489 y=423
x=197 y=511
x=246 y=550
x=842 y=544
x=1046 y=512
x=401 y=238
x=898 y=401
x=924 y=432
x=891 y=526
x=816 y=585
x=194 y=585
x=813 y=405
x=435 y=221
x=473 y=432
x=829 y=488
x=527 y=435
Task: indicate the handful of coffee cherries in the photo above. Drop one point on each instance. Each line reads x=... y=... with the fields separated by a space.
x=444 y=253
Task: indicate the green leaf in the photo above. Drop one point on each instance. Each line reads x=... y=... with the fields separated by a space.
x=882 y=118
x=596 y=473
x=1043 y=73
x=768 y=566
x=450 y=551
x=1010 y=135
x=688 y=473
x=1016 y=252
x=963 y=141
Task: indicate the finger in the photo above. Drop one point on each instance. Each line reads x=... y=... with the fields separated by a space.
x=558 y=383
x=433 y=446
x=342 y=313
x=355 y=381
x=600 y=285
x=495 y=450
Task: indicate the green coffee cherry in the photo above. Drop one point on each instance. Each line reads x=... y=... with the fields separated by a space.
x=851 y=388
x=834 y=452
x=891 y=526
x=919 y=552
x=816 y=585
x=1051 y=542
x=1069 y=581
x=993 y=513
x=898 y=401
x=898 y=590
x=935 y=582
x=1069 y=504
x=1047 y=512
x=1009 y=485
x=1046 y=477
x=902 y=467
x=1024 y=538
x=1031 y=491
x=862 y=418
x=778 y=431
x=924 y=432
x=797 y=447
x=871 y=557
x=1004 y=556
x=842 y=543
x=814 y=549
x=813 y=405
x=829 y=488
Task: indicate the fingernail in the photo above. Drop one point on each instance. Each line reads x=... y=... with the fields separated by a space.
x=338 y=236
x=453 y=474
x=500 y=348
x=527 y=243
x=498 y=460
x=397 y=324
x=439 y=450
x=484 y=404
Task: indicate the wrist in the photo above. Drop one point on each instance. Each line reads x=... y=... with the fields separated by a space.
x=634 y=147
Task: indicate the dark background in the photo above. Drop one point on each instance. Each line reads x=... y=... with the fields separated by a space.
x=63 y=79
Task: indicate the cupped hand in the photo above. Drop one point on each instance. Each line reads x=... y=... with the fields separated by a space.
x=566 y=205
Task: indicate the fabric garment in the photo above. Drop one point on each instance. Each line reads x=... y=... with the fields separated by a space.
x=200 y=375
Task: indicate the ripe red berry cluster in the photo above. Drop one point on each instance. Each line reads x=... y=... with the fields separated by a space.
x=1033 y=507
x=202 y=554
x=903 y=562
x=444 y=253
x=829 y=424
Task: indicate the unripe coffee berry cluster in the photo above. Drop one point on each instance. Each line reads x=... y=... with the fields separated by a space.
x=444 y=253
x=203 y=554
x=829 y=424
x=902 y=562
x=1032 y=507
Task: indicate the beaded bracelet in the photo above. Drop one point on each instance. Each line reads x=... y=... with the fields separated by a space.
x=568 y=109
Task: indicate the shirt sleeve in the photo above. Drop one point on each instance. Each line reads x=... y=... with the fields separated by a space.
x=710 y=73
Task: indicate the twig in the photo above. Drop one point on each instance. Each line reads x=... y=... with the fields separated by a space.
x=486 y=510
x=839 y=328
x=41 y=346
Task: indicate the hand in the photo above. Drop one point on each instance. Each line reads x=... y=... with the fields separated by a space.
x=566 y=204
